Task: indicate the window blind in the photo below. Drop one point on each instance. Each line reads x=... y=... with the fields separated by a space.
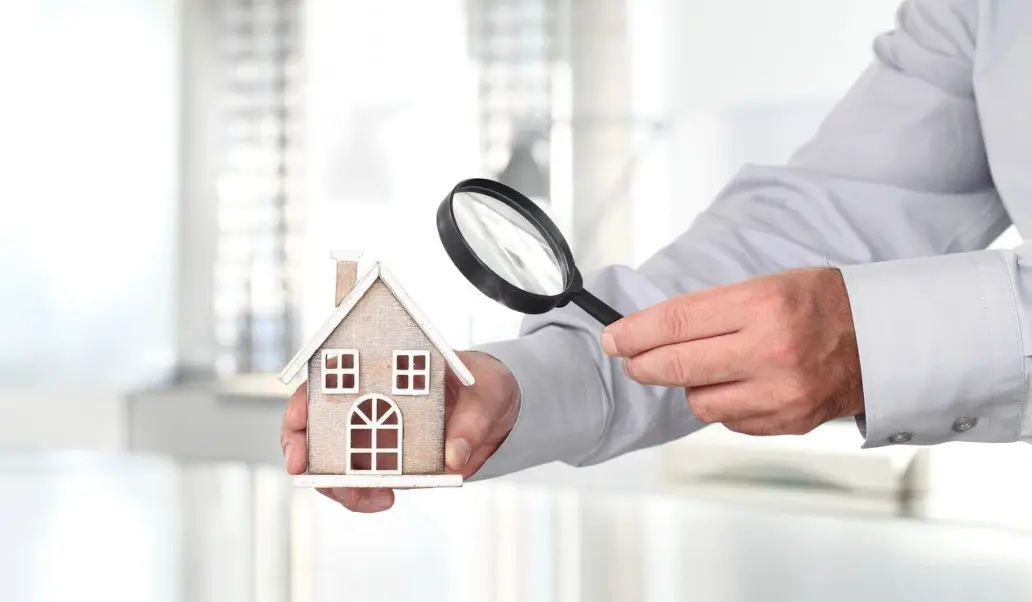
x=515 y=46
x=258 y=192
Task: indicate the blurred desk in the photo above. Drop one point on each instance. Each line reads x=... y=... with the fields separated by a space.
x=828 y=472
x=717 y=517
x=510 y=543
x=200 y=532
x=824 y=472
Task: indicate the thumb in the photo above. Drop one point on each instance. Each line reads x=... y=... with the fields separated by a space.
x=466 y=432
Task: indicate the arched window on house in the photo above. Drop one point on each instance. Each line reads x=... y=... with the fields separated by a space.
x=374 y=437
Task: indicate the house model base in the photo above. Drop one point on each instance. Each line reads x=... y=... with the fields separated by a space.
x=404 y=481
x=376 y=373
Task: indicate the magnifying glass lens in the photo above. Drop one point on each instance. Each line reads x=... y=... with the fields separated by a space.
x=508 y=248
x=508 y=244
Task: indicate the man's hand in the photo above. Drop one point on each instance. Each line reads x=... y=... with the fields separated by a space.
x=770 y=356
x=478 y=419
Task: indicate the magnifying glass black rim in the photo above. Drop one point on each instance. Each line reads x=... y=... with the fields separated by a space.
x=482 y=276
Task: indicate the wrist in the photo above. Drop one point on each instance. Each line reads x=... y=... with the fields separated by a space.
x=841 y=312
x=555 y=401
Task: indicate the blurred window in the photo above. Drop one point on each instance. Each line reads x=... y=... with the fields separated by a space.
x=514 y=43
x=256 y=301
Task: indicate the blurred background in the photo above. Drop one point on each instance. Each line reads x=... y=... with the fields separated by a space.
x=175 y=174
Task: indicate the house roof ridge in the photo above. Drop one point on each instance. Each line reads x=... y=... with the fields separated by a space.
x=375 y=272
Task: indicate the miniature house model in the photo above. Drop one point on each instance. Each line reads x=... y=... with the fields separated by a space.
x=376 y=388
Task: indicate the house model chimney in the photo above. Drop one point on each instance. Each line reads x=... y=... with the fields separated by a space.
x=347 y=272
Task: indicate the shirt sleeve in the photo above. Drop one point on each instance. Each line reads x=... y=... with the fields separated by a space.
x=894 y=189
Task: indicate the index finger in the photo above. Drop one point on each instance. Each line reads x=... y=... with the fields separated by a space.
x=689 y=317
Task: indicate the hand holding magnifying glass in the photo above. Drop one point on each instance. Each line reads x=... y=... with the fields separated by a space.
x=507 y=247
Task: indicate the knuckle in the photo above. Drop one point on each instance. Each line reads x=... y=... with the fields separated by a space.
x=676 y=368
x=777 y=296
x=676 y=319
x=787 y=348
x=796 y=389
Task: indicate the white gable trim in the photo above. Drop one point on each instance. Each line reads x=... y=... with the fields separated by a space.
x=327 y=327
x=460 y=369
x=376 y=272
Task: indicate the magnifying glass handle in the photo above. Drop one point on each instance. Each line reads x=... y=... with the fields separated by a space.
x=596 y=308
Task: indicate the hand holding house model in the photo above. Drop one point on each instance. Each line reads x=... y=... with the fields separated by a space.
x=376 y=388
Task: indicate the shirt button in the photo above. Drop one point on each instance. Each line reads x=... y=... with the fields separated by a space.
x=964 y=424
x=900 y=438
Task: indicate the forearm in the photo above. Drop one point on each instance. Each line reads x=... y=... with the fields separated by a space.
x=579 y=407
x=896 y=172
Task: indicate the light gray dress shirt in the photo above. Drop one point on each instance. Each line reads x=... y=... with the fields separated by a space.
x=919 y=168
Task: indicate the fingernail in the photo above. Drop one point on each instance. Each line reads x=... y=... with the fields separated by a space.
x=456 y=454
x=626 y=370
x=608 y=343
x=379 y=498
x=286 y=452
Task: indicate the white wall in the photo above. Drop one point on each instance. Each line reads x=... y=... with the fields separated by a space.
x=737 y=81
x=89 y=192
x=390 y=127
x=89 y=195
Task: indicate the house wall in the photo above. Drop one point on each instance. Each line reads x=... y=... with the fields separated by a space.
x=377 y=326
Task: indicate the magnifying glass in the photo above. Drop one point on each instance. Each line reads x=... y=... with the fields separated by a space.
x=507 y=247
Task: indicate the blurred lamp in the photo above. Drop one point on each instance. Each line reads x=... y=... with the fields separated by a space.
x=523 y=171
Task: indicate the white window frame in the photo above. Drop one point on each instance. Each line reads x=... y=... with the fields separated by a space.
x=411 y=373
x=373 y=423
x=340 y=371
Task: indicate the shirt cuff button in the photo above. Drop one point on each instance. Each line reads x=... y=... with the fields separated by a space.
x=963 y=424
x=900 y=438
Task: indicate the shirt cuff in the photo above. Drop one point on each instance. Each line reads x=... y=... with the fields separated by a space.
x=562 y=414
x=941 y=355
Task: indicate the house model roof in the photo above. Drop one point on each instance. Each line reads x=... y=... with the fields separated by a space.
x=376 y=272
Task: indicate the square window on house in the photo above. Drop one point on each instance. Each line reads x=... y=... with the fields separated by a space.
x=362 y=461
x=340 y=371
x=411 y=373
x=387 y=461
x=361 y=439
